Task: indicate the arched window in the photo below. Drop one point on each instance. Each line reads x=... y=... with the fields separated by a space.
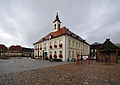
x=55 y=26
x=59 y=26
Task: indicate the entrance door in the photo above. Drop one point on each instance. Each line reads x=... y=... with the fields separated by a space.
x=45 y=55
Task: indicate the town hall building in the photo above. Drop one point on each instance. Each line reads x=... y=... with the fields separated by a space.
x=61 y=44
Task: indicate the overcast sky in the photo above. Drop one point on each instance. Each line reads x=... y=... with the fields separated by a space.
x=23 y=22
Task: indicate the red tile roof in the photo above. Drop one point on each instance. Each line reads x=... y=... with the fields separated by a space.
x=3 y=46
x=13 y=46
x=60 y=32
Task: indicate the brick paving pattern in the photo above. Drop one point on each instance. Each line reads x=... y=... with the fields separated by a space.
x=67 y=74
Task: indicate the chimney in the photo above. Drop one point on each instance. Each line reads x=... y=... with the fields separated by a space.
x=108 y=39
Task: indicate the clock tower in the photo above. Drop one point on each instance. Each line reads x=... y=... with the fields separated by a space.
x=56 y=23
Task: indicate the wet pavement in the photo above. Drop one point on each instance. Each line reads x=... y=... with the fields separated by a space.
x=23 y=64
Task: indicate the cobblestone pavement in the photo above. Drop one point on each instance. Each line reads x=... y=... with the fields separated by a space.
x=19 y=64
x=67 y=74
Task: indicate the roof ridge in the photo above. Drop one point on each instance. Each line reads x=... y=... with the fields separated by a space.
x=60 y=32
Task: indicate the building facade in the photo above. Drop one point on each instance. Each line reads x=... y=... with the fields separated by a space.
x=108 y=52
x=60 y=44
x=16 y=51
x=3 y=50
x=93 y=50
x=27 y=52
x=118 y=50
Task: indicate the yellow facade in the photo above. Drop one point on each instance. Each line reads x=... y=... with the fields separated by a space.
x=70 y=47
x=75 y=47
x=48 y=49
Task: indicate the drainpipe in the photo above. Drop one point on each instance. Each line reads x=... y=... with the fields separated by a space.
x=83 y=47
x=65 y=48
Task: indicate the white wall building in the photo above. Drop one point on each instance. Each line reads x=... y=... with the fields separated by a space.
x=60 y=44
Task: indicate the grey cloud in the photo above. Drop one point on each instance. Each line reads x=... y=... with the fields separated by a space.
x=30 y=20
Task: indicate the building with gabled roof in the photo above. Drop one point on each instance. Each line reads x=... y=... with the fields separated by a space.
x=60 y=44
x=108 y=52
x=3 y=50
x=93 y=50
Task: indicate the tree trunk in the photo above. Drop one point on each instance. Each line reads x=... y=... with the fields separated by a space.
x=105 y=60
x=109 y=59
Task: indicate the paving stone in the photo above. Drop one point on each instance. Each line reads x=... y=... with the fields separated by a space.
x=67 y=74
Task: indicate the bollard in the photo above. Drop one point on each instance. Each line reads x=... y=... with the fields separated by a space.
x=89 y=59
x=81 y=58
x=77 y=58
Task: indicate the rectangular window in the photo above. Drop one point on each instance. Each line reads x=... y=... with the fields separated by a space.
x=69 y=42
x=45 y=46
x=38 y=46
x=76 y=53
x=55 y=43
x=60 y=41
x=79 y=45
x=50 y=43
x=95 y=50
x=41 y=46
x=69 y=53
x=55 y=52
x=91 y=50
x=73 y=53
x=76 y=44
x=40 y=53
x=60 y=52
x=73 y=43
x=50 y=52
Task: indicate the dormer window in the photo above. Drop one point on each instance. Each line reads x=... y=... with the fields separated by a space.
x=50 y=36
x=43 y=39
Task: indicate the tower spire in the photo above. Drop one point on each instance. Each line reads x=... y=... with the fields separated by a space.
x=56 y=23
x=57 y=18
